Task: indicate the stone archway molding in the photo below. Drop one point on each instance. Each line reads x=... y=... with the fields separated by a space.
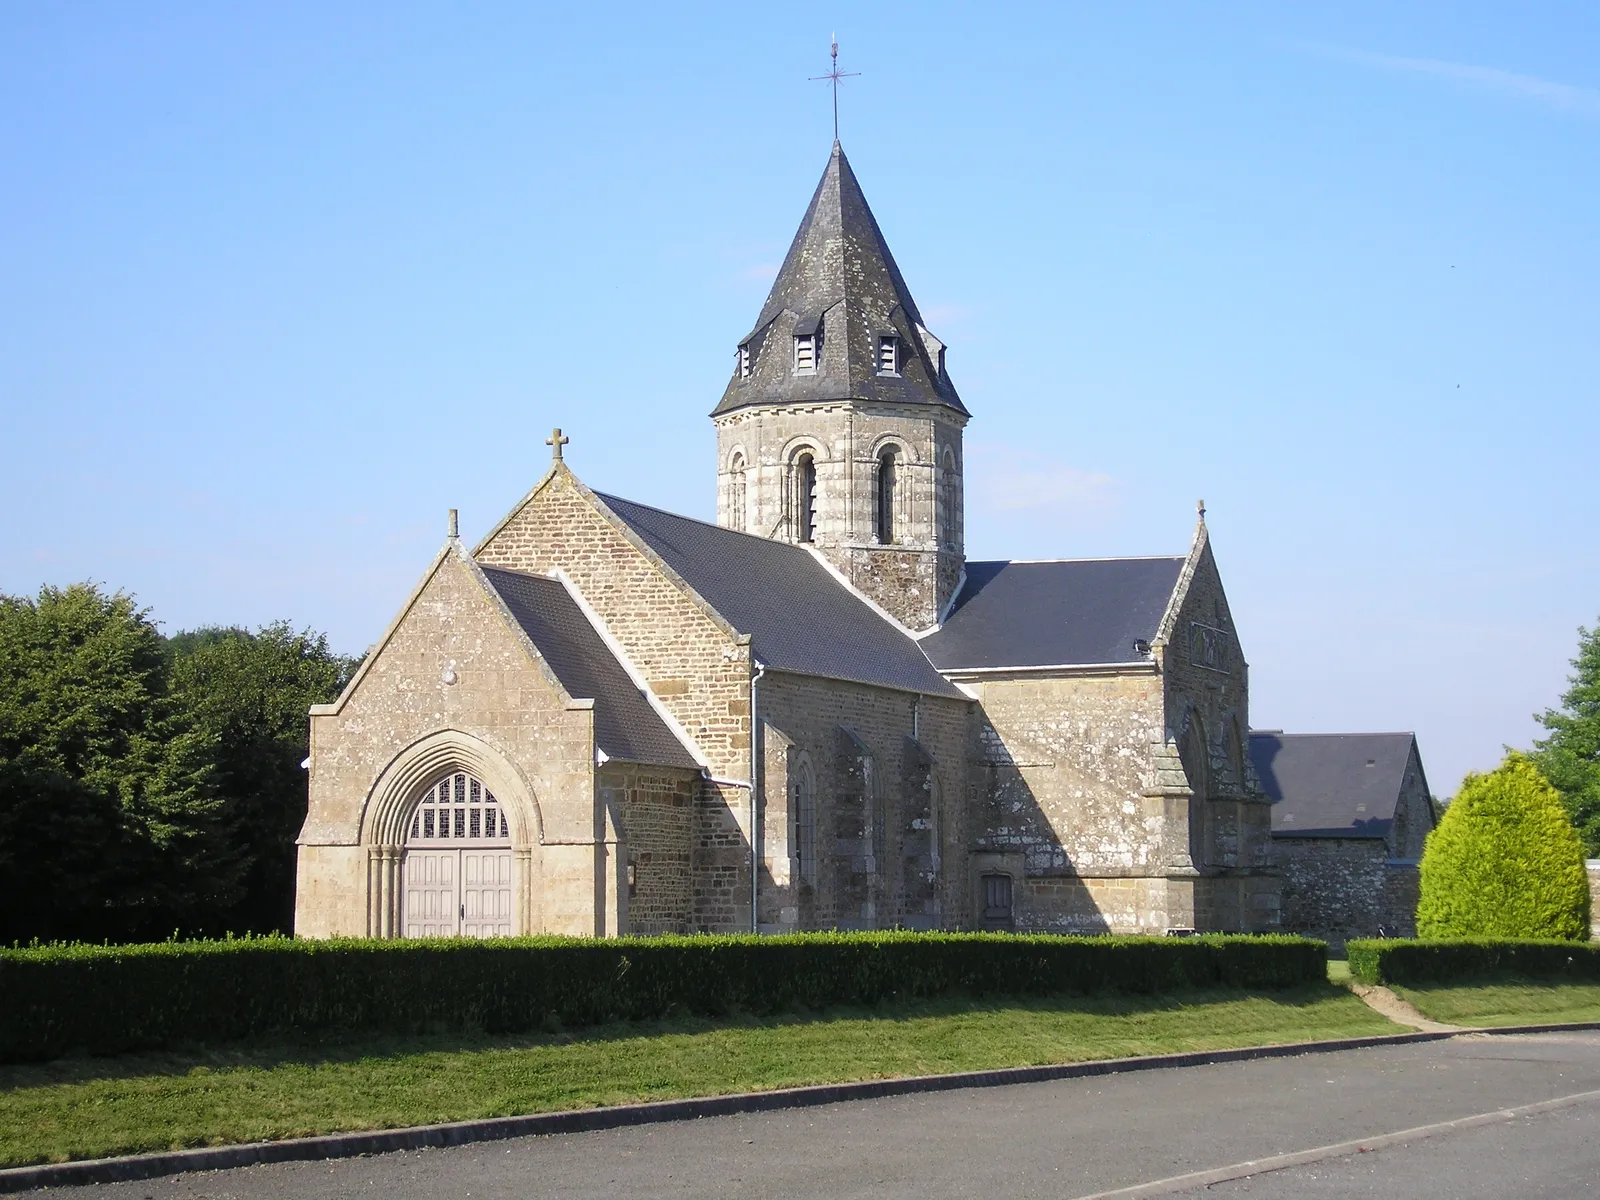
x=396 y=792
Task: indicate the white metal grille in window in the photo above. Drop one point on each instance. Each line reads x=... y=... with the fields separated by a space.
x=744 y=361
x=805 y=354
x=456 y=809
x=888 y=355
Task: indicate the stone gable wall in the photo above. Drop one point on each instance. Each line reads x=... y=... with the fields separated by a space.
x=500 y=696
x=837 y=725
x=1413 y=814
x=693 y=665
x=1207 y=678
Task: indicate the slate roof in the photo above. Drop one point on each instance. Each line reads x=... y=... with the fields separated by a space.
x=839 y=272
x=626 y=726
x=1041 y=614
x=1332 y=784
x=799 y=616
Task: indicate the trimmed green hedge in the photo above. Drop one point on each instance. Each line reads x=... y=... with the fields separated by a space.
x=111 y=999
x=1473 y=960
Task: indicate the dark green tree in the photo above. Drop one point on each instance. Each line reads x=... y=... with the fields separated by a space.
x=1570 y=756
x=109 y=823
x=1504 y=861
x=246 y=696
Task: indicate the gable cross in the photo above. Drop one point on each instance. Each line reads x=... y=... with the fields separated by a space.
x=555 y=441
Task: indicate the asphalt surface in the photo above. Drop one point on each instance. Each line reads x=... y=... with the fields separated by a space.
x=1066 y=1139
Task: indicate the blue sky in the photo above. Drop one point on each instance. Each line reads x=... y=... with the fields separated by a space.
x=278 y=285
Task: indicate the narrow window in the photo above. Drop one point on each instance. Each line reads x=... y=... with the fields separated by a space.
x=805 y=487
x=885 y=506
x=805 y=353
x=803 y=830
x=888 y=354
x=744 y=361
x=997 y=912
x=737 y=498
x=879 y=818
x=947 y=498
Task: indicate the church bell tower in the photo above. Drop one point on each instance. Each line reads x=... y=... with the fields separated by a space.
x=840 y=429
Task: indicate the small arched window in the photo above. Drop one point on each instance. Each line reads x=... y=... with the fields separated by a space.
x=947 y=498
x=886 y=497
x=805 y=498
x=877 y=817
x=803 y=823
x=737 y=497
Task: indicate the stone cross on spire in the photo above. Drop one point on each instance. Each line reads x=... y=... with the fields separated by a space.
x=555 y=441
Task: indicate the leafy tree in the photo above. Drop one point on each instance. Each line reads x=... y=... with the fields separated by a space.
x=109 y=824
x=1504 y=861
x=246 y=694
x=1570 y=756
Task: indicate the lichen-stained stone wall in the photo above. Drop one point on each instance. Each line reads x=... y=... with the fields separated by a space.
x=915 y=576
x=501 y=698
x=1060 y=771
x=867 y=766
x=1333 y=888
x=655 y=809
x=693 y=662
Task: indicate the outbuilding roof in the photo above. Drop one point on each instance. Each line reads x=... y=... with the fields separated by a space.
x=626 y=726
x=1074 y=612
x=1344 y=785
x=800 y=616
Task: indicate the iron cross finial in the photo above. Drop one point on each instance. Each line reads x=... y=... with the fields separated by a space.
x=833 y=76
x=555 y=441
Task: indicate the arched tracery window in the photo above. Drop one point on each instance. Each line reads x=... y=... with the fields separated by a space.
x=803 y=823
x=804 y=483
x=886 y=495
x=457 y=869
x=736 y=493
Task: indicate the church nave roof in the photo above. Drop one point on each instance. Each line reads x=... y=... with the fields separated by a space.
x=1074 y=612
x=798 y=614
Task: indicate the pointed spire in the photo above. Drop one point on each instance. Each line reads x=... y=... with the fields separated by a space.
x=839 y=280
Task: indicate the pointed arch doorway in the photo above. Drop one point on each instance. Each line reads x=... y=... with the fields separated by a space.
x=457 y=871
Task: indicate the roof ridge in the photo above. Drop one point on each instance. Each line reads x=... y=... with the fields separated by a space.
x=1027 y=562
x=667 y=512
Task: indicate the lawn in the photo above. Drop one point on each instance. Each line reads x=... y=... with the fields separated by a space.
x=84 y=1108
x=1506 y=1003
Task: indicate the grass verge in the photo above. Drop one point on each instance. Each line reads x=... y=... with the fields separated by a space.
x=86 y=1108
x=1506 y=1003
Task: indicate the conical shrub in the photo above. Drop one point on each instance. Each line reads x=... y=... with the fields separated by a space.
x=1504 y=862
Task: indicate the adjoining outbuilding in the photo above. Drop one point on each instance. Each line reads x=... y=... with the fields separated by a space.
x=1350 y=812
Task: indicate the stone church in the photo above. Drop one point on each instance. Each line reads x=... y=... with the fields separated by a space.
x=817 y=713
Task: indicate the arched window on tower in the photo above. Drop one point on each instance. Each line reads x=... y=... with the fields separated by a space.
x=886 y=497
x=737 y=496
x=804 y=483
x=947 y=498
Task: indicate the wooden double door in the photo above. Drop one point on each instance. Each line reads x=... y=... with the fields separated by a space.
x=457 y=875
x=458 y=893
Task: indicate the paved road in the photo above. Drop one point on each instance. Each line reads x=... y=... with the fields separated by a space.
x=1067 y=1139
